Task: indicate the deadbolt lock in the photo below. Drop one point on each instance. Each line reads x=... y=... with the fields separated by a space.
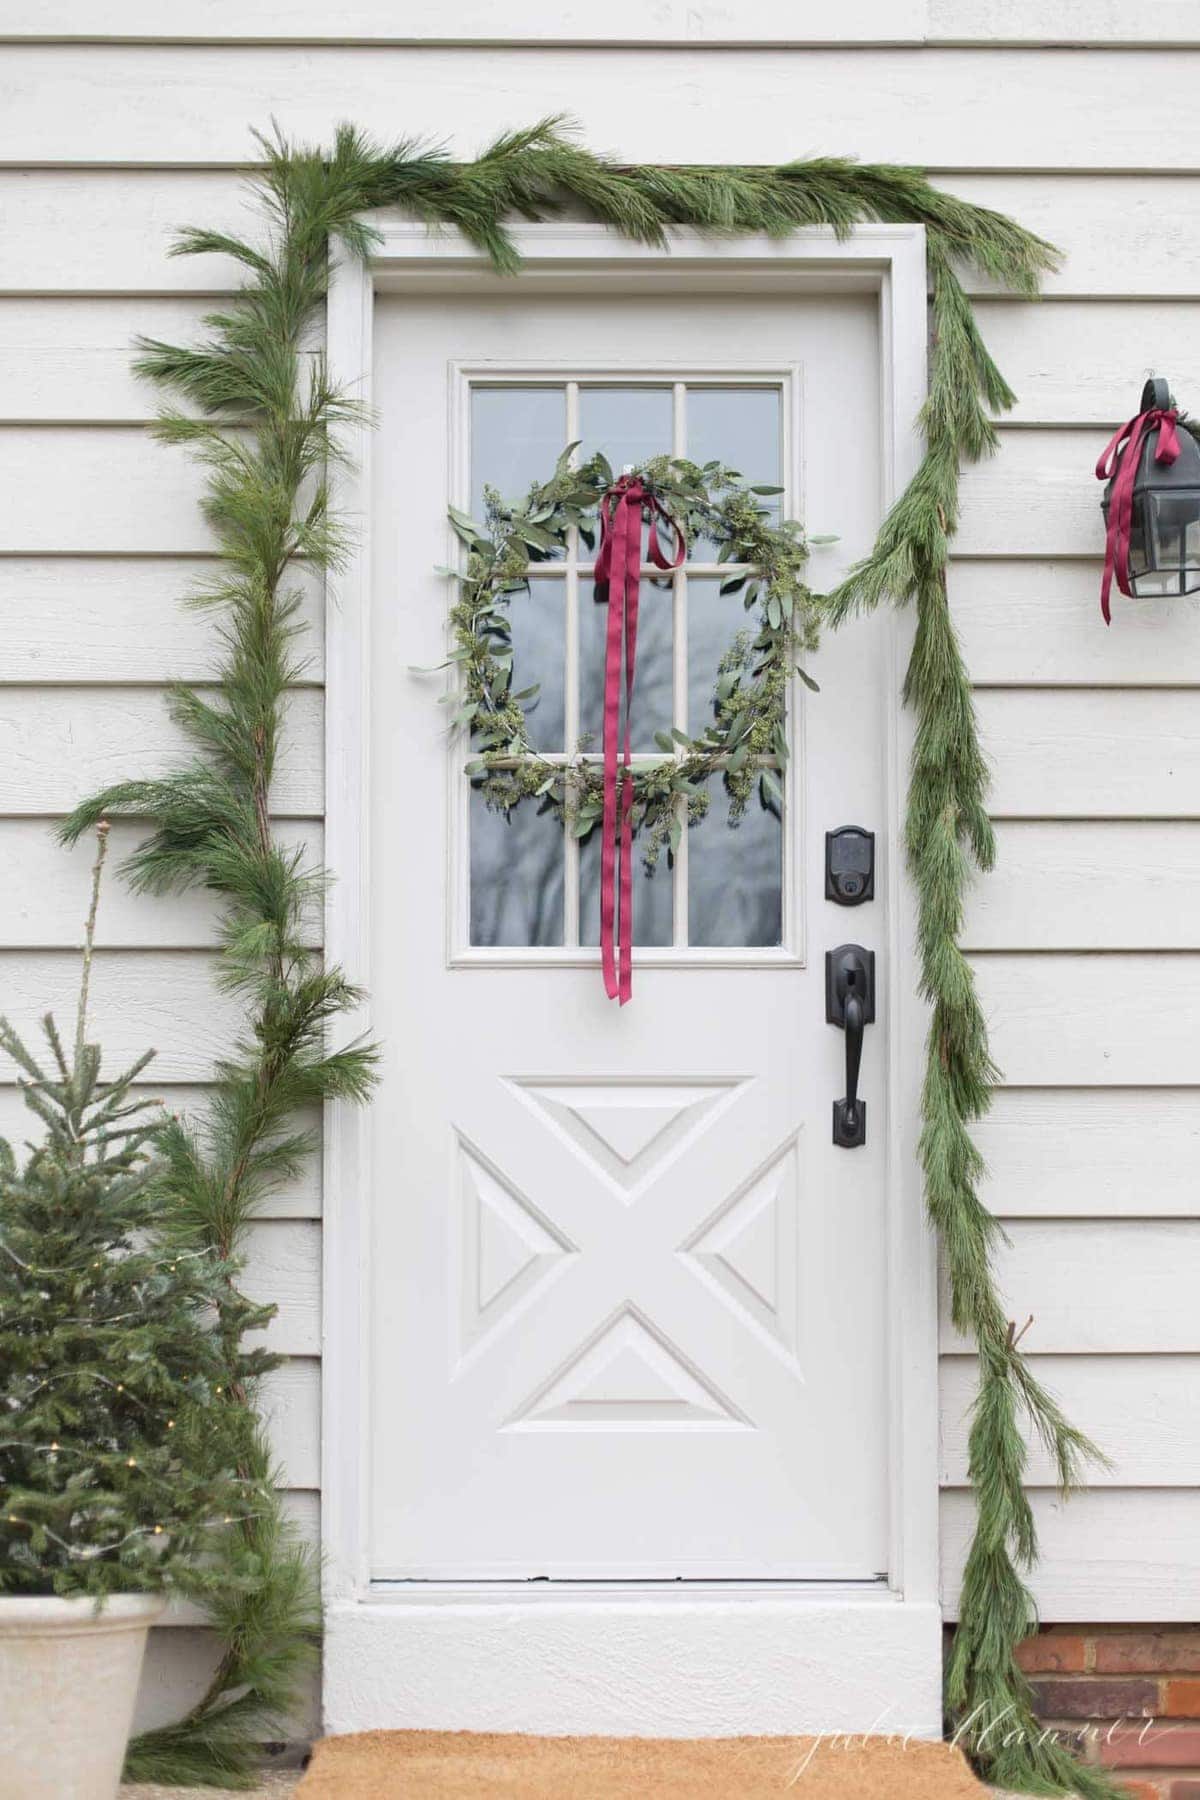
x=849 y=865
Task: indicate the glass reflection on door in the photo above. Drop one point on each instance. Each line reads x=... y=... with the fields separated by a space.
x=533 y=885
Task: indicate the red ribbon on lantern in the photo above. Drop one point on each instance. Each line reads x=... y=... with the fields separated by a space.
x=618 y=576
x=1120 y=465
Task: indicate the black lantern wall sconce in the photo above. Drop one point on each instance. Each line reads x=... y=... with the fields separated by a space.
x=1151 y=504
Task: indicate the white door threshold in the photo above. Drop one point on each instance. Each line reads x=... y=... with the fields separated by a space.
x=676 y=1659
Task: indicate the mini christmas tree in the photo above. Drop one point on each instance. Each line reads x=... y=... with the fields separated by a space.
x=119 y=1463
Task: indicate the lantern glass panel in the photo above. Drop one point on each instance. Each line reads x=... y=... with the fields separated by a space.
x=1139 y=562
x=1164 y=554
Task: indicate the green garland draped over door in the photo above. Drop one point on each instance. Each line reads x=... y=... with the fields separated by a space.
x=267 y=433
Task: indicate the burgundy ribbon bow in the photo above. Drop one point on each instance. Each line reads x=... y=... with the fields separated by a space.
x=1119 y=465
x=618 y=574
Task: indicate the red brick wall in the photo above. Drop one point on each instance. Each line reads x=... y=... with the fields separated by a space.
x=1129 y=1696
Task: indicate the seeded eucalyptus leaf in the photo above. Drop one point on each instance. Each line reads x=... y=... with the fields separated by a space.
x=771 y=788
x=466 y=523
x=466 y=533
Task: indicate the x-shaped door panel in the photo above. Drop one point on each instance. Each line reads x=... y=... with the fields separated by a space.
x=628 y=1265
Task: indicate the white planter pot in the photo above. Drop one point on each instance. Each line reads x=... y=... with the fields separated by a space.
x=68 y=1682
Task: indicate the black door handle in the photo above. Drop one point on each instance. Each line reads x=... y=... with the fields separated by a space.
x=850 y=1004
x=852 y=1117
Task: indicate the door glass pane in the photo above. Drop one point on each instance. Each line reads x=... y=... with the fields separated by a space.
x=653 y=895
x=538 y=620
x=713 y=623
x=740 y=427
x=653 y=681
x=735 y=876
x=517 y=436
x=629 y=424
x=516 y=875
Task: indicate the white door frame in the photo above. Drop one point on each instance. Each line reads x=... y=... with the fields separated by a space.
x=599 y=1657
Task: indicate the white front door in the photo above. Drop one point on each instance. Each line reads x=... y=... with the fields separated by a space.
x=627 y=1298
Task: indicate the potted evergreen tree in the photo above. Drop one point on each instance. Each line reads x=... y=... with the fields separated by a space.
x=119 y=1463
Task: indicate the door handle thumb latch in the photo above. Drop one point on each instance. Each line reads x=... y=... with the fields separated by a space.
x=850 y=1004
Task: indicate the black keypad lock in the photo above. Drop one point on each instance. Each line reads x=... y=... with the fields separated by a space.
x=849 y=865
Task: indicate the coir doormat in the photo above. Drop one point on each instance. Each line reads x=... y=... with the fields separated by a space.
x=451 y=1765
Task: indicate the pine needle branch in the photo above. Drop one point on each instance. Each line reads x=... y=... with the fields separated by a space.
x=263 y=418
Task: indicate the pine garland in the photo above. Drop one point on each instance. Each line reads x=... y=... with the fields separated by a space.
x=268 y=505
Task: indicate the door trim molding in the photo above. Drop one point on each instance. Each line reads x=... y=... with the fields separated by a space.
x=888 y=261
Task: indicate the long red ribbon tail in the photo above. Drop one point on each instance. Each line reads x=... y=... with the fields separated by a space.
x=1118 y=463
x=618 y=568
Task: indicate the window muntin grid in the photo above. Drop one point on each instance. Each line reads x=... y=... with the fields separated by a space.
x=532 y=888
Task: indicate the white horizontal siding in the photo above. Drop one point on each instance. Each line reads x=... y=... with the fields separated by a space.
x=1037 y=497
x=1093 y=1021
x=290 y=1405
x=473 y=21
x=106 y=151
x=1091 y=1143
x=1099 y=1286
x=1141 y=1408
x=302 y=1509
x=945 y=109
x=1085 y=365
x=102 y=231
x=163 y=1000
x=129 y=493
x=985 y=23
x=297 y=1199
x=282 y=1266
x=1082 y=885
x=44 y=897
x=58 y=744
x=1037 y=623
x=98 y=231
x=72 y=359
x=991 y=22
x=1098 y=1153
x=121 y=620
x=93 y=628
x=67 y=360
x=1122 y=1555
x=1093 y=754
x=1123 y=235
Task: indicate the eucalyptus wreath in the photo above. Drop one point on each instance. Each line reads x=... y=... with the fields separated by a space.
x=748 y=730
x=262 y=416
